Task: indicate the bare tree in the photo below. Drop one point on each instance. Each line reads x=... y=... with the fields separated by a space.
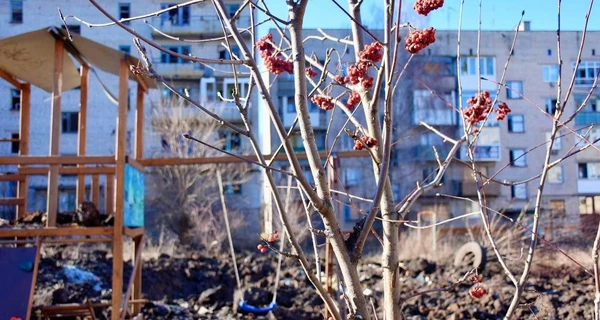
x=374 y=83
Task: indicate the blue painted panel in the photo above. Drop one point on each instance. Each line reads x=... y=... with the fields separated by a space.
x=134 y=197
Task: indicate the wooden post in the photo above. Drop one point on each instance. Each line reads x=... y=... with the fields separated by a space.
x=36 y=264
x=109 y=194
x=121 y=145
x=82 y=130
x=137 y=281
x=24 y=132
x=95 y=190
x=55 y=120
x=139 y=123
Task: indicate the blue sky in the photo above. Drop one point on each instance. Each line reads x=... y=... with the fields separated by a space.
x=496 y=14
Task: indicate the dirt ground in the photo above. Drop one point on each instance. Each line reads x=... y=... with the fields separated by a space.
x=200 y=286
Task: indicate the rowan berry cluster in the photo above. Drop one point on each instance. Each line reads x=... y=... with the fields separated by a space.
x=419 y=40
x=353 y=100
x=274 y=236
x=477 y=291
x=310 y=72
x=261 y=248
x=322 y=101
x=480 y=106
x=364 y=140
x=503 y=111
x=357 y=73
x=273 y=60
x=424 y=7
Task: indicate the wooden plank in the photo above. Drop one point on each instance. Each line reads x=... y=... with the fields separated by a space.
x=24 y=136
x=56 y=232
x=10 y=79
x=120 y=158
x=109 y=194
x=137 y=261
x=58 y=159
x=12 y=177
x=12 y=202
x=68 y=170
x=95 y=190
x=82 y=131
x=36 y=265
x=9 y=140
x=134 y=163
x=139 y=123
x=55 y=120
x=159 y=162
x=138 y=243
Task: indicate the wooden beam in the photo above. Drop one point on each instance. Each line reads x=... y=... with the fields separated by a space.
x=158 y=162
x=82 y=130
x=68 y=170
x=138 y=243
x=10 y=79
x=12 y=177
x=134 y=163
x=12 y=202
x=137 y=266
x=36 y=265
x=56 y=232
x=95 y=190
x=139 y=124
x=55 y=121
x=24 y=135
x=57 y=159
x=109 y=194
x=120 y=158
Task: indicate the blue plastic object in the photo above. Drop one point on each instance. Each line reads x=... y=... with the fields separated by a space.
x=252 y=309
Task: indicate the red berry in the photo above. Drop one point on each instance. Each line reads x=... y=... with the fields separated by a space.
x=424 y=7
x=323 y=102
x=310 y=72
x=353 y=100
x=263 y=250
x=419 y=40
x=477 y=292
x=260 y=247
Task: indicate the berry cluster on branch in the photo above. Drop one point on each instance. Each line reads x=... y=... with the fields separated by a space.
x=322 y=101
x=273 y=60
x=360 y=144
x=353 y=100
x=419 y=40
x=357 y=73
x=480 y=106
x=424 y=7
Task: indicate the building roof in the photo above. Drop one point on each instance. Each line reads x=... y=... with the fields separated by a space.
x=30 y=57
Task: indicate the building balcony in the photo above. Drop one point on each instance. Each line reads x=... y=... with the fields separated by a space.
x=426 y=153
x=483 y=153
x=228 y=111
x=179 y=70
x=588 y=186
x=469 y=189
x=204 y=26
x=587 y=118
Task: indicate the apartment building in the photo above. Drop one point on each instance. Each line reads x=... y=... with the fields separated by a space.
x=197 y=23
x=510 y=151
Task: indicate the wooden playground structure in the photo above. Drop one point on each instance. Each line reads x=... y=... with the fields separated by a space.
x=42 y=58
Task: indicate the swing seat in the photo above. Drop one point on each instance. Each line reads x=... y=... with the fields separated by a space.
x=252 y=309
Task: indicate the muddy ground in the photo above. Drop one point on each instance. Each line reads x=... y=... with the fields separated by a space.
x=197 y=286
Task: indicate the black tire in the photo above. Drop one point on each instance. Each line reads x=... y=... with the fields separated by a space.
x=472 y=254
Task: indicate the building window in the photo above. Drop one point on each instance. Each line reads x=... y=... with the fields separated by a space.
x=231 y=141
x=519 y=191
x=487 y=66
x=232 y=9
x=224 y=53
x=589 y=170
x=73 y=28
x=550 y=73
x=176 y=16
x=516 y=123
x=234 y=188
x=551 y=106
x=16 y=11
x=558 y=208
x=589 y=204
x=591 y=136
x=587 y=71
x=557 y=141
x=70 y=122
x=517 y=158
x=125 y=48
x=555 y=175
x=124 y=12
x=351 y=177
x=15 y=143
x=167 y=58
x=15 y=99
x=514 y=89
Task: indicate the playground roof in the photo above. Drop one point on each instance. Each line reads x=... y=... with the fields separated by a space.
x=30 y=57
